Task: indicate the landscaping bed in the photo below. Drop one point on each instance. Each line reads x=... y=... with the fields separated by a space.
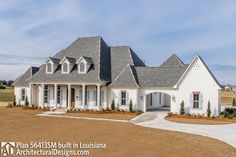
x=197 y=119
x=107 y=114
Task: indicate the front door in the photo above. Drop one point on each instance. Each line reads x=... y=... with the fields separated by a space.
x=72 y=97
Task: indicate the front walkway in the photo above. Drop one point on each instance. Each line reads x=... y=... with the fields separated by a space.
x=226 y=133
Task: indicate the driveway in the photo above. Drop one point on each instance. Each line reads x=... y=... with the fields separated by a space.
x=226 y=133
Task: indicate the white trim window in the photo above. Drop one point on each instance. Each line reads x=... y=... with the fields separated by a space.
x=123 y=97
x=58 y=94
x=65 y=68
x=82 y=68
x=49 y=68
x=196 y=100
x=46 y=93
x=23 y=92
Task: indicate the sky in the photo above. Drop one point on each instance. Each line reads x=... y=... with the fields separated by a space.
x=31 y=31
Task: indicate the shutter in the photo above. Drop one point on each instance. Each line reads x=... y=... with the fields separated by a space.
x=191 y=101
x=201 y=101
x=127 y=98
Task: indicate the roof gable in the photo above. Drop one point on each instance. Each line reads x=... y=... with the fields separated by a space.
x=197 y=57
x=172 y=61
x=23 y=80
x=125 y=79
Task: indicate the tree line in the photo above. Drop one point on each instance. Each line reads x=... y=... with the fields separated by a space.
x=5 y=83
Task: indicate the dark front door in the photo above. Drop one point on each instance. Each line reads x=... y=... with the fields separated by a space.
x=72 y=97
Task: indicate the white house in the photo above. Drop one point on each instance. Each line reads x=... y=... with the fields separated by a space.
x=88 y=74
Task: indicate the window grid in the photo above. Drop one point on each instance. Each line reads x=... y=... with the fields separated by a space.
x=123 y=97
x=196 y=100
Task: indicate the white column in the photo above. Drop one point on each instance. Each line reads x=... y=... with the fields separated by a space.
x=69 y=96
x=30 y=94
x=42 y=96
x=144 y=103
x=55 y=95
x=83 y=96
x=98 y=96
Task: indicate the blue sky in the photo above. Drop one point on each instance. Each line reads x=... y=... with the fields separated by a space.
x=31 y=30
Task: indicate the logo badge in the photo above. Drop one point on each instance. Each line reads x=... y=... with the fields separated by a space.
x=7 y=148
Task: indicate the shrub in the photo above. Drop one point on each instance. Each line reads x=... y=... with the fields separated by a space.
x=14 y=100
x=209 y=109
x=228 y=113
x=182 y=110
x=26 y=101
x=234 y=103
x=113 y=105
x=131 y=106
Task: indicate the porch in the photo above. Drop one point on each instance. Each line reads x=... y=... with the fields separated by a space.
x=80 y=96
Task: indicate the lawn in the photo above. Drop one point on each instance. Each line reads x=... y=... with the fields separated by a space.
x=122 y=139
x=6 y=95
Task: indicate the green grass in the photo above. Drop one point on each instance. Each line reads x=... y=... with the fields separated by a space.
x=6 y=95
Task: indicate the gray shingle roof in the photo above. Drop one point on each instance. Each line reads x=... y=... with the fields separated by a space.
x=54 y=60
x=173 y=61
x=159 y=76
x=23 y=80
x=88 y=59
x=125 y=79
x=71 y=60
x=121 y=56
x=90 y=47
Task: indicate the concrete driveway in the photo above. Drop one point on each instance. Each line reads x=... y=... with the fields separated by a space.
x=226 y=133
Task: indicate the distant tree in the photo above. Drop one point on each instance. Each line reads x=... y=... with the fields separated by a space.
x=113 y=107
x=131 y=106
x=4 y=82
x=10 y=82
x=209 y=109
x=182 y=110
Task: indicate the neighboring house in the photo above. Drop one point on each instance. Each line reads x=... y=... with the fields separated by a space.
x=88 y=74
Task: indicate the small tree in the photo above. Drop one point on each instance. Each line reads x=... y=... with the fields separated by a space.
x=26 y=101
x=208 y=109
x=233 y=103
x=131 y=106
x=14 y=100
x=113 y=105
x=182 y=110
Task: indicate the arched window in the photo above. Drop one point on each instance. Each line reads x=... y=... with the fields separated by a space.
x=49 y=68
x=65 y=67
x=82 y=67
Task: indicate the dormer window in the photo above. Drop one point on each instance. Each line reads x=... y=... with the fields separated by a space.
x=49 y=68
x=84 y=64
x=82 y=67
x=65 y=68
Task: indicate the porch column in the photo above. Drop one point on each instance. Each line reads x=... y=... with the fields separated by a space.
x=69 y=96
x=145 y=103
x=83 y=96
x=42 y=92
x=55 y=95
x=30 y=94
x=98 y=96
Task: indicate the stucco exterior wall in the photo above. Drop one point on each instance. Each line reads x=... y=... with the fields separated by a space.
x=198 y=79
x=131 y=95
x=17 y=91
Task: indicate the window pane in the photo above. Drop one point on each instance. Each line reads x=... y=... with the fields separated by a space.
x=49 y=67
x=123 y=98
x=82 y=67
x=65 y=67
